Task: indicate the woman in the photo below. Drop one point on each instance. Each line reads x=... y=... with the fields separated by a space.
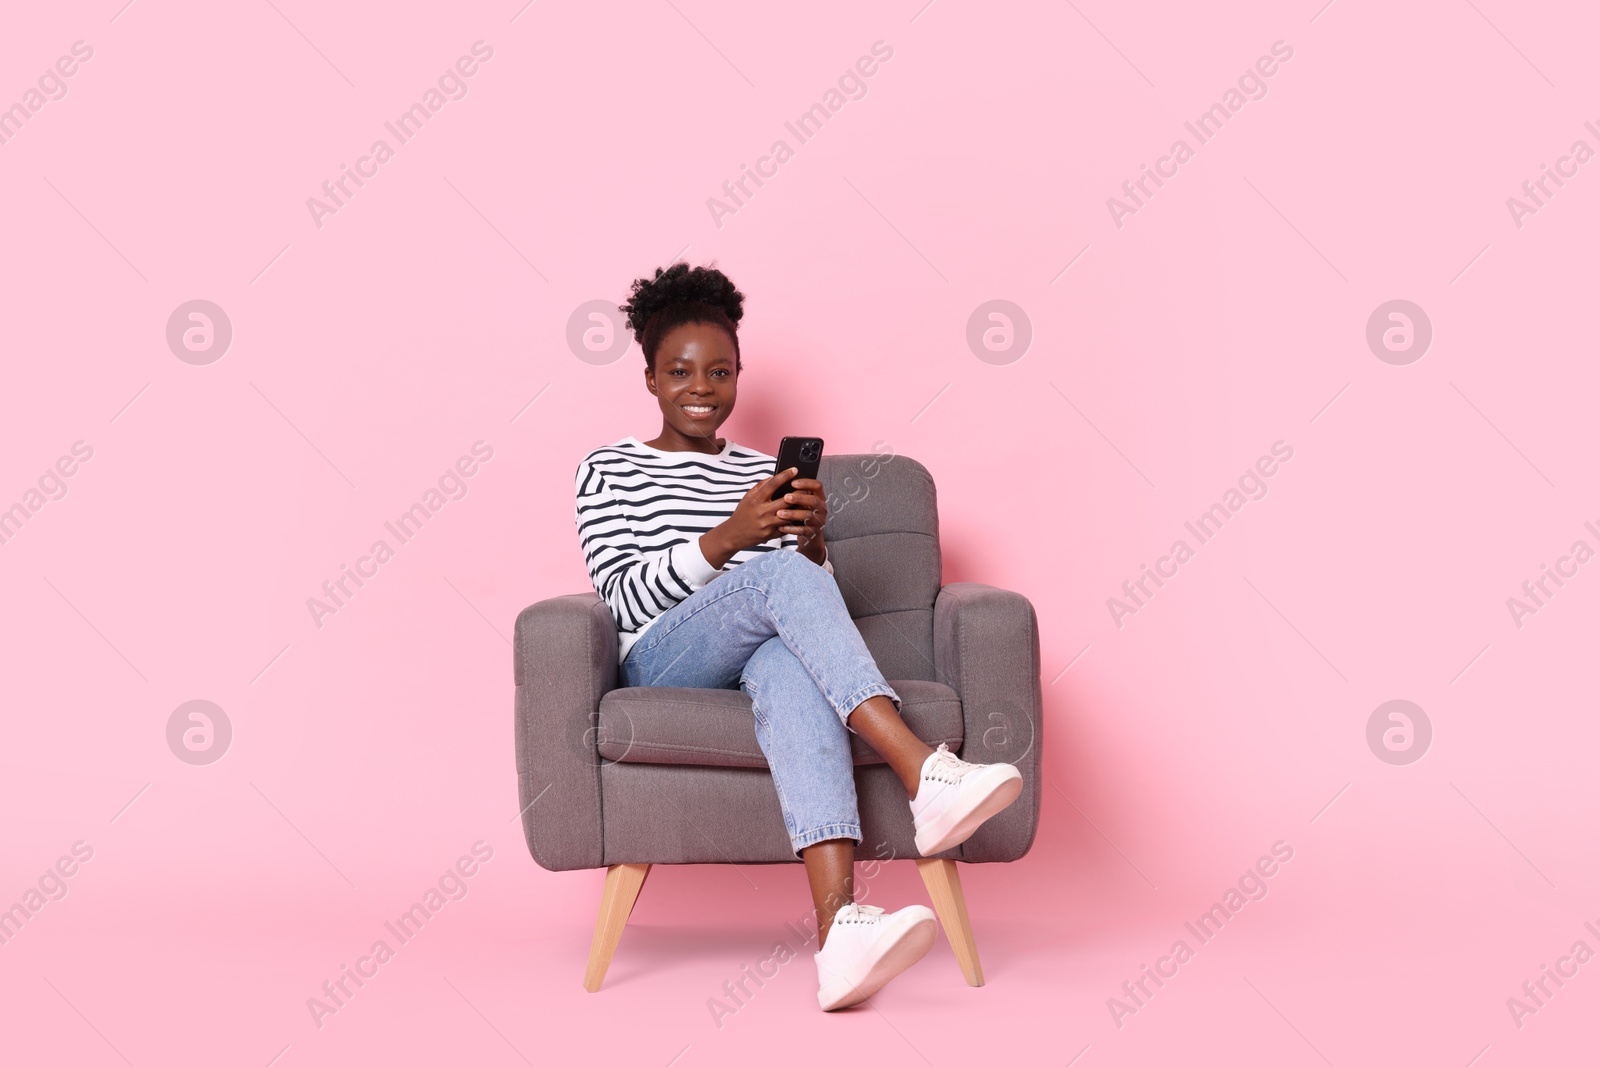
x=715 y=585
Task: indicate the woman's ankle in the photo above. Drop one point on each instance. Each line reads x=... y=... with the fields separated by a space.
x=913 y=780
x=830 y=870
x=825 y=916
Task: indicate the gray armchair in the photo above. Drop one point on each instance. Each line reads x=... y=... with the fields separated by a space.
x=624 y=778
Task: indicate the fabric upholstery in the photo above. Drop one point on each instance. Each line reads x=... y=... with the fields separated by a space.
x=966 y=658
x=663 y=813
x=986 y=643
x=715 y=727
x=883 y=541
x=565 y=661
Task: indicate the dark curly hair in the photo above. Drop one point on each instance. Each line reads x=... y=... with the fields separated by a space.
x=679 y=295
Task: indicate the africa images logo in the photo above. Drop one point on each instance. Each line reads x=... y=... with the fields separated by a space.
x=451 y=85
x=1252 y=85
x=1251 y=886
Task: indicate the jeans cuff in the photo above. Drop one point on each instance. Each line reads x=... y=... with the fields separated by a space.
x=827 y=833
x=861 y=696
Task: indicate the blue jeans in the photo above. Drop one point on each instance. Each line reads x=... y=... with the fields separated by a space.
x=777 y=628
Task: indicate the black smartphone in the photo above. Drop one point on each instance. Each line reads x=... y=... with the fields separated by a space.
x=802 y=452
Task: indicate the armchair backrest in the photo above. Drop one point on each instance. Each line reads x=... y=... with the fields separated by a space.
x=883 y=542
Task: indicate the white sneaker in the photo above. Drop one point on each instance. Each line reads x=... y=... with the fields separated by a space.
x=866 y=947
x=954 y=798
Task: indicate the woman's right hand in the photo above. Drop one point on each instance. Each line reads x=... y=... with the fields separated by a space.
x=753 y=521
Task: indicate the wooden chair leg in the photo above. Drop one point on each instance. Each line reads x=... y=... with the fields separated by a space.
x=643 y=878
x=623 y=882
x=943 y=880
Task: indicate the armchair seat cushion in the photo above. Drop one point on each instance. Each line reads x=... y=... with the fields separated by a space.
x=716 y=727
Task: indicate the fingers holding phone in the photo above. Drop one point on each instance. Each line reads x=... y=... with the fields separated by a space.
x=790 y=502
x=754 y=521
x=805 y=510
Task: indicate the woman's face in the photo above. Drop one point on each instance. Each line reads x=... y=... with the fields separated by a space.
x=694 y=379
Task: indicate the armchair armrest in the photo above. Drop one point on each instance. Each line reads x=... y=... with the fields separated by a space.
x=986 y=648
x=564 y=659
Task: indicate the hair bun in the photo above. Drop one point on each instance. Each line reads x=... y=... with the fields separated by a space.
x=681 y=284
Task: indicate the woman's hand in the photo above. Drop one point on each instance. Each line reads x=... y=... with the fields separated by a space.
x=756 y=519
x=807 y=503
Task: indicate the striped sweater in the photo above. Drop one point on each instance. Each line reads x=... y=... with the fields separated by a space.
x=640 y=512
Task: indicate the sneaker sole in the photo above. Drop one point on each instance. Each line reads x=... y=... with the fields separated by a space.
x=946 y=834
x=901 y=953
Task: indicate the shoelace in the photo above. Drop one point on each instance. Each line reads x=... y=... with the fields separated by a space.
x=947 y=766
x=858 y=913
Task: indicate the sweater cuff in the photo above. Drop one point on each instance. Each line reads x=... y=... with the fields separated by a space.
x=691 y=564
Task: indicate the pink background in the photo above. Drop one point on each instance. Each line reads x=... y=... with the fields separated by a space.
x=1224 y=316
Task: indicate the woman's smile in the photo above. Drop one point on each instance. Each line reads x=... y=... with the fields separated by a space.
x=694 y=377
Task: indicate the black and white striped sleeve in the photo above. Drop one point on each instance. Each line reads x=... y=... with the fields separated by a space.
x=637 y=583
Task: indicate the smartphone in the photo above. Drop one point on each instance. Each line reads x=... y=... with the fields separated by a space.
x=802 y=452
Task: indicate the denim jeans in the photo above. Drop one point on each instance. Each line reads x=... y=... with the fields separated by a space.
x=777 y=628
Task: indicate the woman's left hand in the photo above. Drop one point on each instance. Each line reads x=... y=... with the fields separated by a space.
x=807 y=510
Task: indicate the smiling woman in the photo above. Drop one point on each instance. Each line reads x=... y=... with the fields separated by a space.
x=649 y=513
x=714 y=584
